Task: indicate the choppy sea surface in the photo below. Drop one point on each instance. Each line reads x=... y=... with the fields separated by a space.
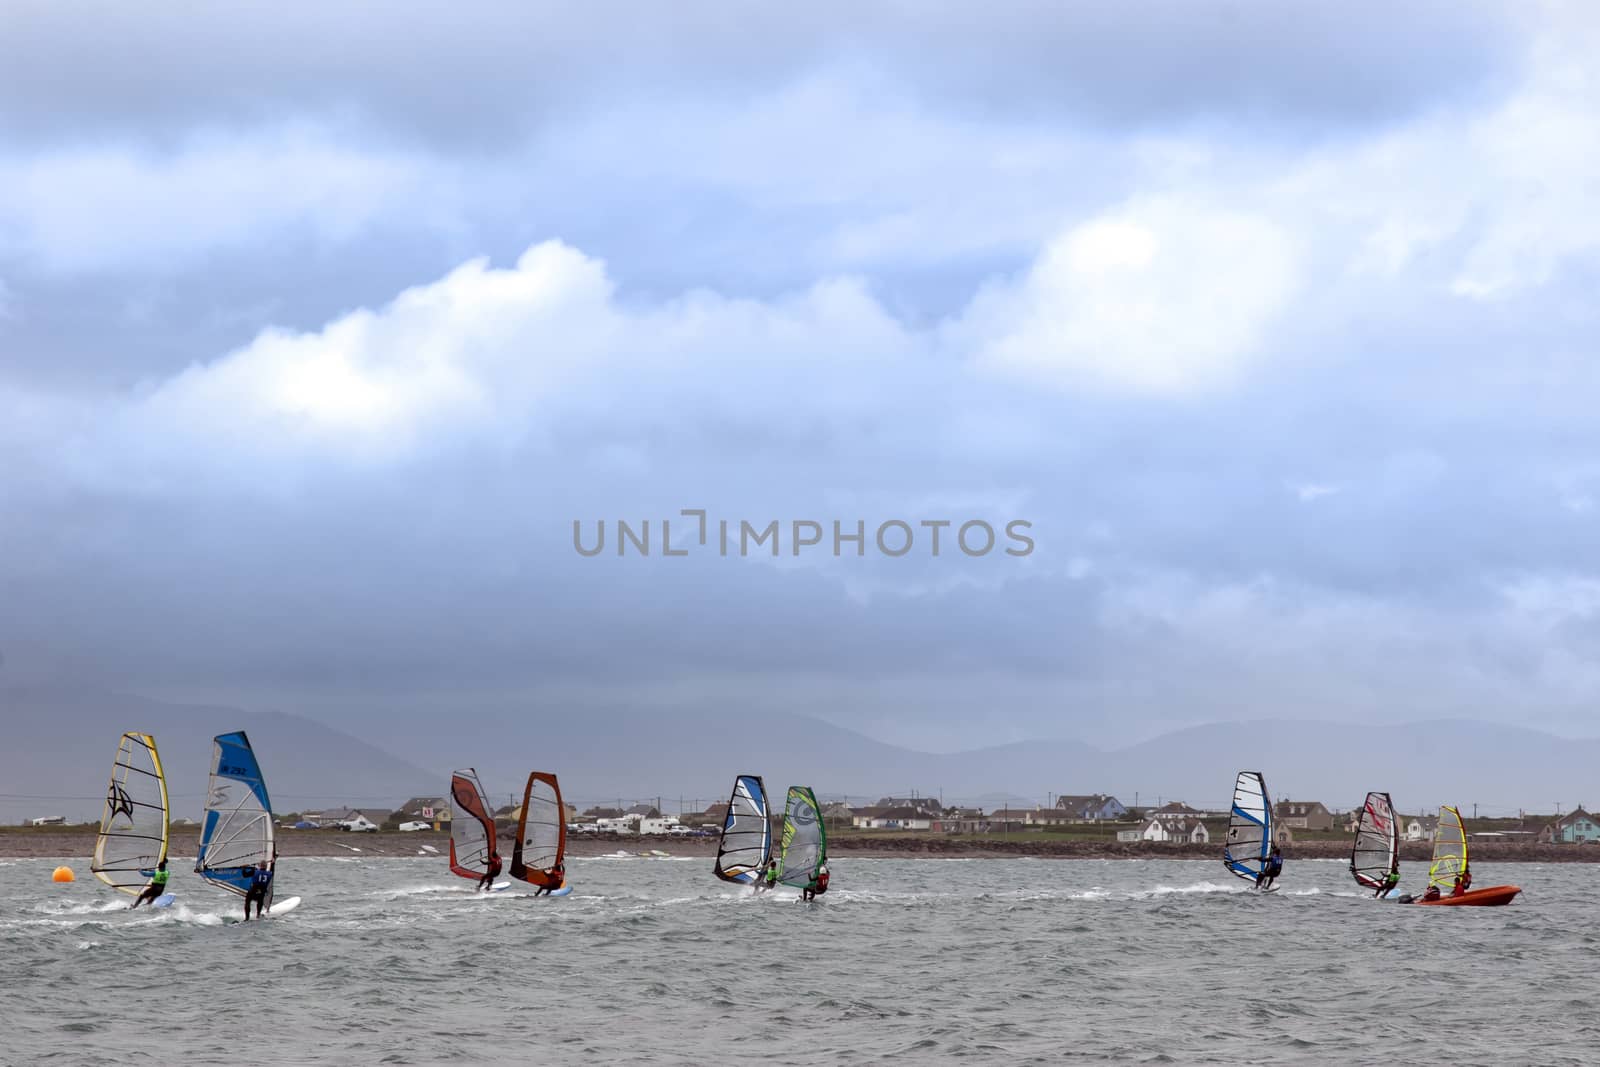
x=652 y=961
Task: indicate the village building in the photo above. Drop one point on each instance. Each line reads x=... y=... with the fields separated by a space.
x=1303 y=815
x=1096 y=807
x=1577 y=827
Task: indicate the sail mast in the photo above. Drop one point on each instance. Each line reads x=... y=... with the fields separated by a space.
x=1376 y=852
x=1449 y=849
x=238 y=830
x=1249 y=826
x=746 y=842
x=472 y=831
x=134 y=825
x=541 y=833
x=804 y=841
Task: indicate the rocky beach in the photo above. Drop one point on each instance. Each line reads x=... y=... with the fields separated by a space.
x=78 y=842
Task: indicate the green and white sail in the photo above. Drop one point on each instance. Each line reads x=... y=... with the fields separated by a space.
x=805 y=841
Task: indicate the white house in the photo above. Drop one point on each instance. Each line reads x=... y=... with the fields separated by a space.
x=1421 y=829
x=48 y=820
x=1189 y=831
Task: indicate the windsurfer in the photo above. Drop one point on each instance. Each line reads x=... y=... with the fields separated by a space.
x=492 y=873
x=1463 y=883
x=768 y=877
x=818 y=884
x=157 y=886
x=1390 y=880
x=260 y=881
x=559 y=872
x=1270 y=869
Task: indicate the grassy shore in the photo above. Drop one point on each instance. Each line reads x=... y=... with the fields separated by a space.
x=77 y=842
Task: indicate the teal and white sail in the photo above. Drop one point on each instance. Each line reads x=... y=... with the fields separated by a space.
x=237 y=831
x=746 y=832
x=1249 y=826
x=805 y=841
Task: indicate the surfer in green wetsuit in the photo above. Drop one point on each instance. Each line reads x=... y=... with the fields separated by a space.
x=768 y=877
x=1390 y=880
x=157 y=886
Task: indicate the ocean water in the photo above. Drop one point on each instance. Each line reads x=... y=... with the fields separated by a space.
x=652 y=961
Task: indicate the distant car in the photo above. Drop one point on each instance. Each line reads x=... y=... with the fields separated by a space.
x=412 y=827
x=359 y=827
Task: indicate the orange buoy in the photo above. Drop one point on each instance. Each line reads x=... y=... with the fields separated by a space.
x=62 y=874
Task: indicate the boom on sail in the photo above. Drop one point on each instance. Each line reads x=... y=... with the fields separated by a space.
x=1376 y=853
x=746 y=843
x=805 y=841
x=134 y=825
x=541 y=833
x=472 y=834
x=237 y=831
x=1249 y=826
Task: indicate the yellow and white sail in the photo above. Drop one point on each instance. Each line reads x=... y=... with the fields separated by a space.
x=134 y=824
x=1449 y=849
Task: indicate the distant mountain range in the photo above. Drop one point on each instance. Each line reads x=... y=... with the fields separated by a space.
x=60 y=743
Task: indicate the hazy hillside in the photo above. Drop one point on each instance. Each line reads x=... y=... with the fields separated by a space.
x=61 y=744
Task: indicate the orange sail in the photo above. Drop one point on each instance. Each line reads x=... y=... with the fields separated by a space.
x=540 y=850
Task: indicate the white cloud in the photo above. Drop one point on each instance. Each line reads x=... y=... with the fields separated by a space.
x=120 y=206
x=1164 y=294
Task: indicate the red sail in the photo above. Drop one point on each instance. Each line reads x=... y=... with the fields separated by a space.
x=472 y=836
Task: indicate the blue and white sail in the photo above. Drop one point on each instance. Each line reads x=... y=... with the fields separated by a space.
x=746 y=833
x=237 y=832
x=1249 y=826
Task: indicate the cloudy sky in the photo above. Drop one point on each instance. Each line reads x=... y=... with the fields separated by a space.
x=319 y=329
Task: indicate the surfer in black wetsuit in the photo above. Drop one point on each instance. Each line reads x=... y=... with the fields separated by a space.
x=1270 y=869
x=259 y=886
x=487 y=881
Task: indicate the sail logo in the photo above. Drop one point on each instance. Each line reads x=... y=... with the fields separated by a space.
x=219 y=796
x=118 y=802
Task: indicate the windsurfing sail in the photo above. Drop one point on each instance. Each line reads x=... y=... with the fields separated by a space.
x=804 y=842
x=541 y=833
x=1249 y=826
x=746 y=833
x=134 y=825
x=472 y=836
x=1449 y=850
x=237 y=831
x=1377 y=849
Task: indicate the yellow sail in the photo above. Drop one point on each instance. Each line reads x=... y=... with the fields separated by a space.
x=134 y=824
x=1449 y=850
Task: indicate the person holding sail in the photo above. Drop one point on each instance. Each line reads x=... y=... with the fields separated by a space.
x=768 y=876
x=259 y=883
x=1270 y=869
x=157 y=886
x=818 y=884
x=487 y=881
x=559 y=873
x=1390 y=880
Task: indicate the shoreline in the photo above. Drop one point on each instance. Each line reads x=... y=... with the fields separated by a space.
x=77 y=843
